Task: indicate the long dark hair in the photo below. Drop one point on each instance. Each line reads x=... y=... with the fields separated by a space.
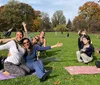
x=22 y=41
x=88 y=38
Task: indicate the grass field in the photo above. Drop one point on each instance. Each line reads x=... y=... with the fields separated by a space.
x=65 y=56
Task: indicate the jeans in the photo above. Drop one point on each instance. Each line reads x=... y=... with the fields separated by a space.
x=38 y=67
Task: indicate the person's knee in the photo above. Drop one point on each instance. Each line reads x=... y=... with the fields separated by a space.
x=82 y=54
x=21 y=73
x=78 y=52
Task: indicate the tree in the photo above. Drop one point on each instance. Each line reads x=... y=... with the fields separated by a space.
x=88 y=17
x=14 y=13
x=69 y=25
x=61 y=28
x=37 y=24
x=58 y=18
x=45 y=24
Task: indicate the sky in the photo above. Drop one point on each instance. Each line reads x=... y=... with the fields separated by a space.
x=69 y=7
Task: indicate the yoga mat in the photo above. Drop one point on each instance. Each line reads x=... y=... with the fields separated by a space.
x=5 y=77
x=74 y=70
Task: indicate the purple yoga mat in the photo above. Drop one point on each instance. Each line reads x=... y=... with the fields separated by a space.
x=3 y=77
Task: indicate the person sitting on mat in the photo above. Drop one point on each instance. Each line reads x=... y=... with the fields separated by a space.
x=31 y=58
x=85 y=54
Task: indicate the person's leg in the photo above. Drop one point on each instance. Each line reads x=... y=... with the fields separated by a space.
x=38 y=70
x=86 y=58
x=13 y=69
x=40 y=64
x=78 y=54
x=25 y=68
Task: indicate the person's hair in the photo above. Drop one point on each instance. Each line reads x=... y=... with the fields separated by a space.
x=20 y=32
x=22 y=42
x=38 y=37
x=87 y=37
x=42 y=31
x=81 y=31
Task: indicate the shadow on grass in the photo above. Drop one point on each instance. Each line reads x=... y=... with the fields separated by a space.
x=50 y=77
x=49 y=53
x=50 y=59
x=94 y=58
x=50 y=68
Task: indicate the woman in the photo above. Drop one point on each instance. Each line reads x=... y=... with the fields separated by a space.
x=31 y=58
x=42 y=41
x=13 y=63
x=85 y=54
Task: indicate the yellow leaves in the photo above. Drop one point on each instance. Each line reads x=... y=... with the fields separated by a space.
x=71 y=78
x=53 y=67
x=57 y=82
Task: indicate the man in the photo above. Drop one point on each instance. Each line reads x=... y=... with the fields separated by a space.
x=13 y=63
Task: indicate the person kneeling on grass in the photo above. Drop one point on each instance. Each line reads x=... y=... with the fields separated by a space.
x=85 y=54
x=31 y=58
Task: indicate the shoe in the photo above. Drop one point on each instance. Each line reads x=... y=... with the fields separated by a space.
x=45 y=76
x=86 y=62
x=6 y=73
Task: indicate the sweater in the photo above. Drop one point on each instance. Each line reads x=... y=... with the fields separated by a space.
x=15 y=55
x=31 y=57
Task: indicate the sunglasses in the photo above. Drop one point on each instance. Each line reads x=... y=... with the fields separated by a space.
x=36 y=39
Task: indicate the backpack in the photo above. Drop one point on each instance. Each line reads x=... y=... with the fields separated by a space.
x=97 y=63
x=2 y=58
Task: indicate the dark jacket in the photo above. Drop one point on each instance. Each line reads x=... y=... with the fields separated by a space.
x=89 y=50
x=80 y=44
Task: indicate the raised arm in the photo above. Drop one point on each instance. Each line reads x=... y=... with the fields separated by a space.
x=57 y=45
x=41 y=48
x=44 y=44
x=24 y=26
x=6 y=40
x=26 y=32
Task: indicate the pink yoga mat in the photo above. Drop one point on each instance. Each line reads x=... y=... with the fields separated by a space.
x=73 y=70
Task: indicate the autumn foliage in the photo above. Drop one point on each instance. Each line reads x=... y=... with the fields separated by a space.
x=88 y=17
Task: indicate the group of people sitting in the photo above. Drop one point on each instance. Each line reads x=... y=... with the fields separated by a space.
x=22 y=55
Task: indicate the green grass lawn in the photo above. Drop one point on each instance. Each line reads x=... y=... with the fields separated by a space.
x=66 y=56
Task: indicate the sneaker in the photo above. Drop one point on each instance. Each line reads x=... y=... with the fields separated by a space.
x=45 y=76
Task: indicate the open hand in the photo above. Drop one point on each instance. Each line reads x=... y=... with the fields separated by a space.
x=23 y=23
x=59 y=44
